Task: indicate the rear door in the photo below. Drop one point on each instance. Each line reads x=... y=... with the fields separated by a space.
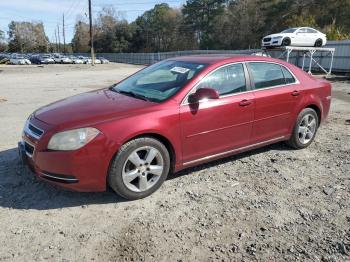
x=301 y=38
x=219 y=125
x=312 y=36
x=276 y=92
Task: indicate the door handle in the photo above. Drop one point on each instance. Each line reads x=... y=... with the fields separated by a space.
x=295 y=93
x=245 y=102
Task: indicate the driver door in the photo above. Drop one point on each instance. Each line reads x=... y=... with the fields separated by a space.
x=215 y=126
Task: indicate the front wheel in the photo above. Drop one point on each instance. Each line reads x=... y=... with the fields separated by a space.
x=305 y=129
x=139 y=168
x=286 y=42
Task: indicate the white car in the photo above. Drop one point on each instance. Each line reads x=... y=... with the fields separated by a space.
x=76 y=60
x=85 y=59
x=47 y=59
x=61 y=59
x=299 y=36
x=66 y=60
x=103 y=60
x=19 y=60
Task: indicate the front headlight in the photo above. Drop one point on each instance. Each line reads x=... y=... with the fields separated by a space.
x=277 y=37
x=72 y=139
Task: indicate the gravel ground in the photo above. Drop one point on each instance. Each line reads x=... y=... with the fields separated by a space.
x=271 y=204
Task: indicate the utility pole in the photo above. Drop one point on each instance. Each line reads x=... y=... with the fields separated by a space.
x=64 y=38
x=91 y=36
x=59 y=40
x=56 y=41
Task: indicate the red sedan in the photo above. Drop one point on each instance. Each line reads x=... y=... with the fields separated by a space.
x=177 y=113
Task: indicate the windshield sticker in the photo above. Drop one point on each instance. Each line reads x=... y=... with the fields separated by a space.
x=179 y=70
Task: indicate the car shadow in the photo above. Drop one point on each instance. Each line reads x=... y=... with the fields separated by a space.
x=19 y=189
x=281 y=146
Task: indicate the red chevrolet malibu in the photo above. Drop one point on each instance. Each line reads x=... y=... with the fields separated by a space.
x=177 y=113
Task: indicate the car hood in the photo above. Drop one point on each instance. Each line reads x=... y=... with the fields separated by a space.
x=280 y=34
x=91 y=108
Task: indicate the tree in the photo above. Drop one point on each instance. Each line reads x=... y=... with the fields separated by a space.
x=161 y=28
x=3 y=43
x=27 y=37
x=81 y=38
x=239 y=27
x=112 y=34
x=199 y=16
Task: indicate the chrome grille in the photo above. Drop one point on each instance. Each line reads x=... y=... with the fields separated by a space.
x=33 y=130
x=267 y=39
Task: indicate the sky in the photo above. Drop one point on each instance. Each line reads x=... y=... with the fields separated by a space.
x=50 y=12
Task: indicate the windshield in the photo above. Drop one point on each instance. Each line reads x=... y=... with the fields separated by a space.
x=290 y=30
x=159 y=81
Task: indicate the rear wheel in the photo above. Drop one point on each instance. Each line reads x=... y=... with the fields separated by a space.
x=139 y=168
x=305 y=129
x=318 y=43
x=286 y=42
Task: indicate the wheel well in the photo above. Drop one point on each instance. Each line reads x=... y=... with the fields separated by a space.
x=165 y=142
x=317 y=110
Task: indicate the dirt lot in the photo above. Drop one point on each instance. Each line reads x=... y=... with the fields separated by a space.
x=269 y=204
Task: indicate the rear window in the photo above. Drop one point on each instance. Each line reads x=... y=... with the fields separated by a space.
x=288 y=76
x=269 y=75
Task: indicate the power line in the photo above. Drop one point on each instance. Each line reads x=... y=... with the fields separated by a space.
x=75 y=4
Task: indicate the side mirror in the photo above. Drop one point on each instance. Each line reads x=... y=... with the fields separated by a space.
x=203 y=93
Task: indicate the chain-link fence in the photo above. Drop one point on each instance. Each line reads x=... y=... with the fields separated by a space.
x=341 y=62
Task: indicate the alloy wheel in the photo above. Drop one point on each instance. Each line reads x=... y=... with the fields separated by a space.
x=307 y=129
x=142 y=169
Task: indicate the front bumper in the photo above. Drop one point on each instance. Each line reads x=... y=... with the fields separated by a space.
x=83 y=170
x=58 y=178
x=272 y=42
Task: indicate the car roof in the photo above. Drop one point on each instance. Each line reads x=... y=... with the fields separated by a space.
x=307 y=27
x=222 y=58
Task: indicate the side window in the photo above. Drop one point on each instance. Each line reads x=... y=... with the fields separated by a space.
x=266 y=75
x=311 y=31
x=302 y=30
x=229 y=79
x=288 y=76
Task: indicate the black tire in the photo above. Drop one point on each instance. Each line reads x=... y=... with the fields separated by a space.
x=294 y=140
x=318 y=43
x=115 y=179
x=286 y=42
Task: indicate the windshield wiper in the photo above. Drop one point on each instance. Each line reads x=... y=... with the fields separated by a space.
x=132 y=94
